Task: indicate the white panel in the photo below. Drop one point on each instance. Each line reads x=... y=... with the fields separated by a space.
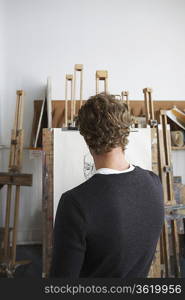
x=178 y=160
x=69 y=151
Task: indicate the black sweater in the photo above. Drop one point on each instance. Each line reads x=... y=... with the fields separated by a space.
x=108 y=226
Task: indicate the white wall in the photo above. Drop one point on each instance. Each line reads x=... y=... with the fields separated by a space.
x=140 y=42
x=1 y=61
x=1 y=85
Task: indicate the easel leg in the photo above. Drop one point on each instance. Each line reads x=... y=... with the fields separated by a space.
x=66 y=105
x=81 y=88
x=16 y=216
x=7 y=221
x=74 y=94
x=165 y=246
x=106 y=85
x=175 y=248
x=97 y=83
x=162 y=256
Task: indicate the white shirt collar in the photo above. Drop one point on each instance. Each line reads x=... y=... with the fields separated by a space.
x=107 y=171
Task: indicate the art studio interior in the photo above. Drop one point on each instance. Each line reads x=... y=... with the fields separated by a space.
x=54 y=56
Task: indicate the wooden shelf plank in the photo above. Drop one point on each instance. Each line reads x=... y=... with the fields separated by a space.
x=178 y=148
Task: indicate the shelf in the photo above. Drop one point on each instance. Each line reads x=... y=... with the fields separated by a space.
x=35 y=149
x=178 y=148
x=2 y=147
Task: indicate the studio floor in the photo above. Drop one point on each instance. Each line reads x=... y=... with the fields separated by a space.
x=34 y=254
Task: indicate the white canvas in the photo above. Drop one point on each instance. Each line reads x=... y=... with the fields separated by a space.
x=70 y=149
x=139 y=150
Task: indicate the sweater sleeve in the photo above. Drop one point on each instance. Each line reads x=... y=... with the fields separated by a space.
x=69 y=243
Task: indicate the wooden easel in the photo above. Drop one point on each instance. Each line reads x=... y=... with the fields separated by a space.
x=166 y=175
x=165 y=163
x=78 y=68
x=102 y=75
x=149 y=107
x=69 y=78
x=48 y=196
x=49 y=99
x=124 y=98
x=13 y=177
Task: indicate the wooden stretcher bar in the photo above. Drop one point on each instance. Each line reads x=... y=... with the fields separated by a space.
x=15 y=178
x=180 y=115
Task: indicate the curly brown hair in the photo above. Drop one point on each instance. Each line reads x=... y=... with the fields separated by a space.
x=104 y=123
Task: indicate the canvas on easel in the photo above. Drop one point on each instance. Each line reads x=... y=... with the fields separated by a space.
x=67 y=163
x=72 y=159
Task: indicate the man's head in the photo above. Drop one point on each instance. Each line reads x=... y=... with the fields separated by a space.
x=104 y=123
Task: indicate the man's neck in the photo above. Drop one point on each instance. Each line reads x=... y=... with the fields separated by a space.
x=115 y=159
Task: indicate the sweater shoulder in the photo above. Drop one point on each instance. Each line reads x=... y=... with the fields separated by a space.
x=79 y=189
x=150 y=174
